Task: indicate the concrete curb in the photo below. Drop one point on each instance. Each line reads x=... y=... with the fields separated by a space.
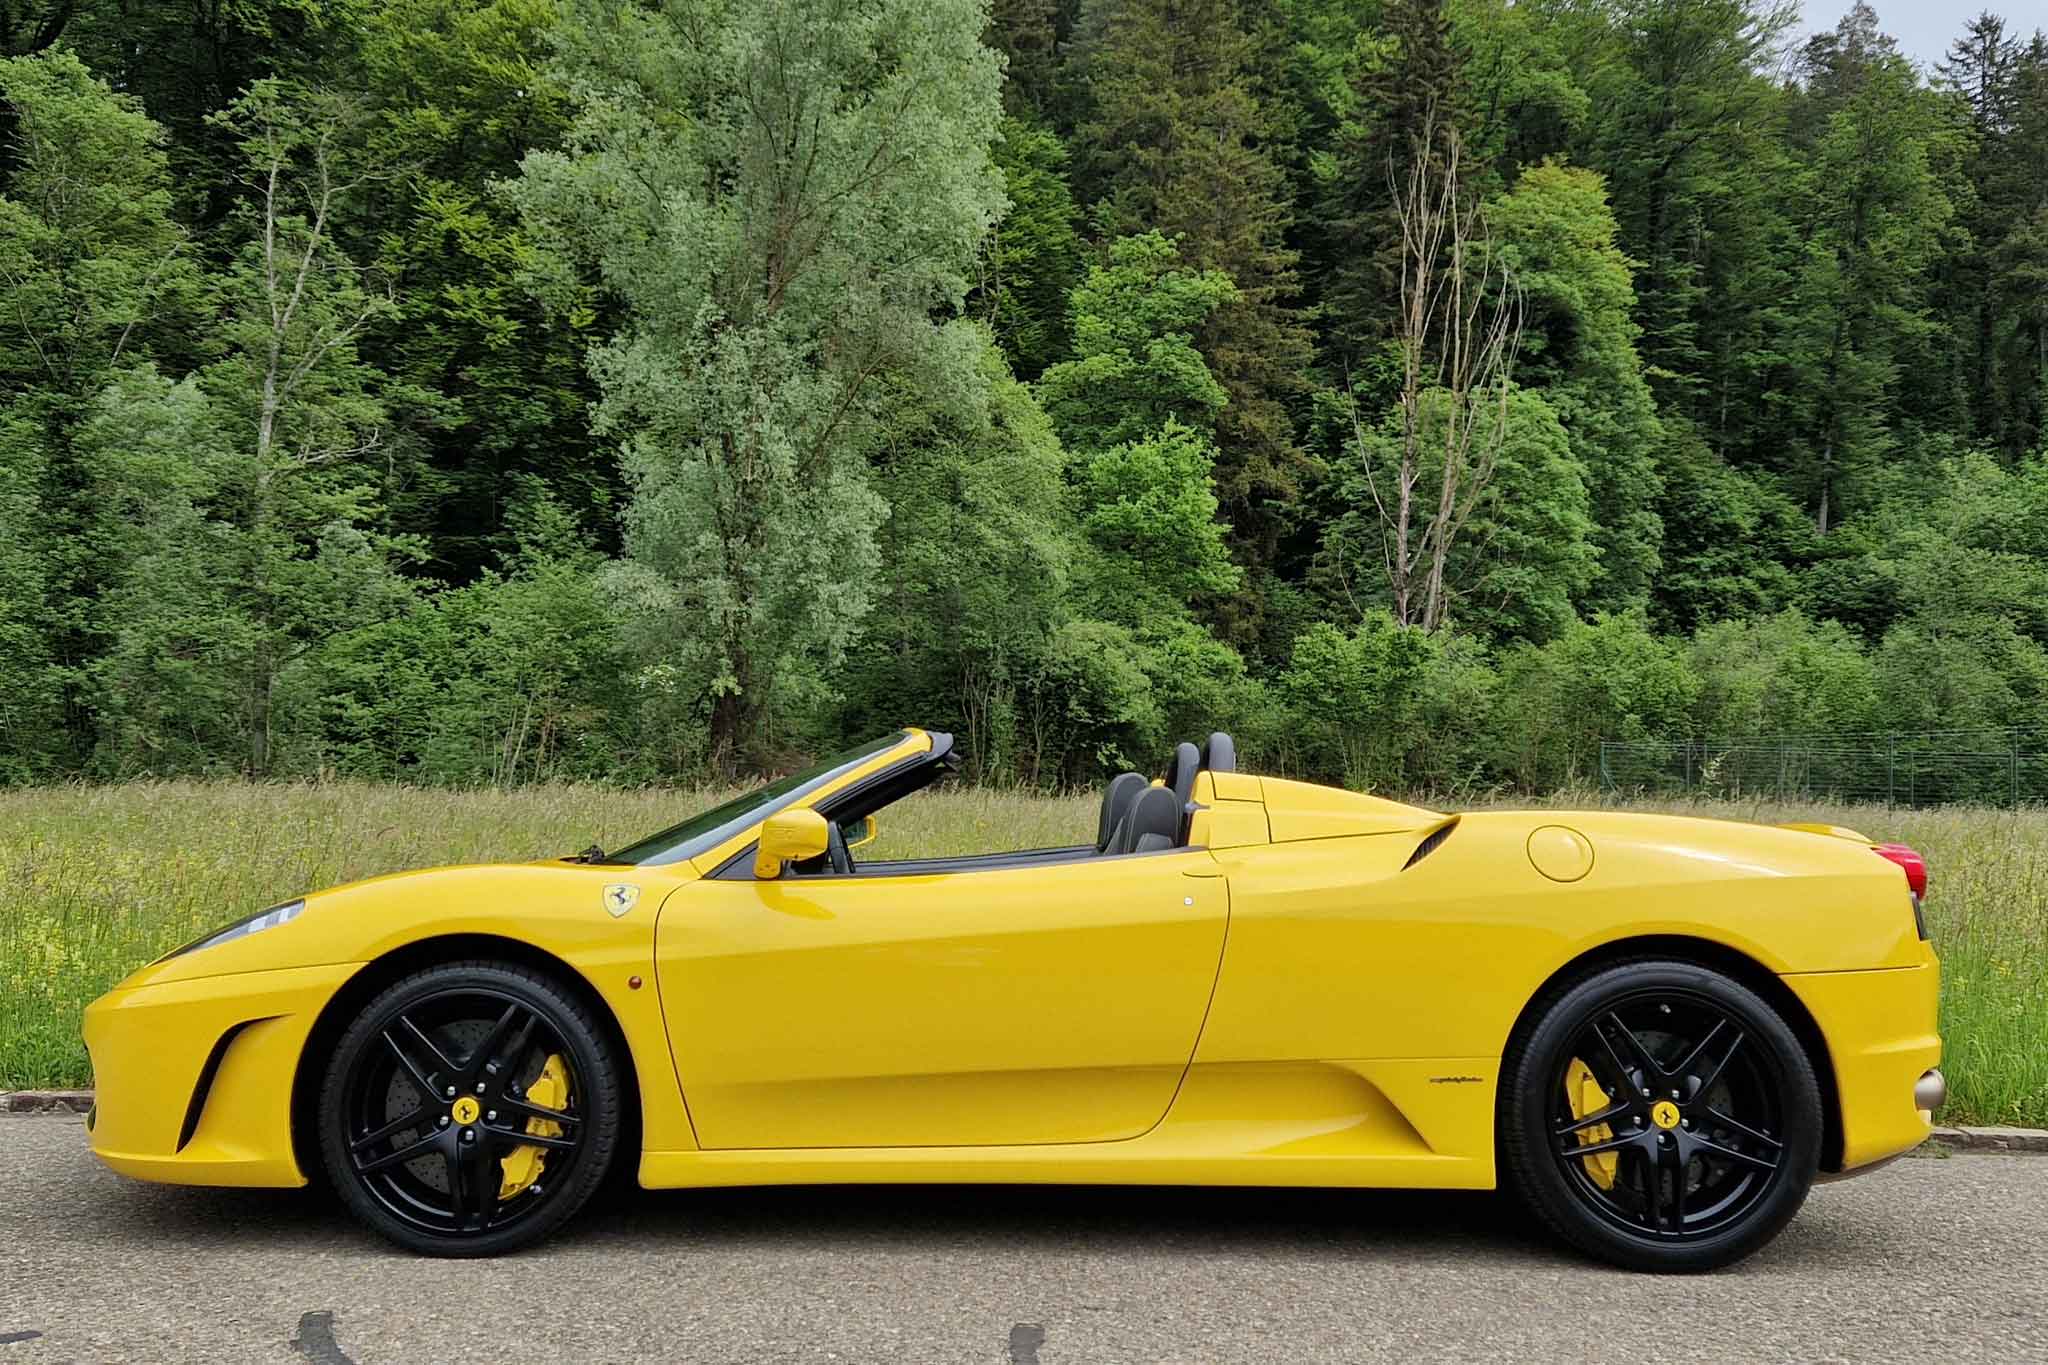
x=1953 y=1139
x=1991 y=1139
x=45 y=1101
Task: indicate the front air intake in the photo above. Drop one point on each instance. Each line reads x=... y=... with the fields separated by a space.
x=1429 y=845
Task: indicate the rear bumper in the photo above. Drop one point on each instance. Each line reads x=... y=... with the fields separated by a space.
x=193 y=1078
x=1881 y=1032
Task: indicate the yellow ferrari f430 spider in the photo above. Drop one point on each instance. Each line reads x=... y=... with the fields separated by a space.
x=1659 y=1031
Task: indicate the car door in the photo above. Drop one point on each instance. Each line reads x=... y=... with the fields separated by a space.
x=1010 y=1004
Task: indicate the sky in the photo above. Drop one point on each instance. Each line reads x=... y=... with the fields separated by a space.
x=1925 y=28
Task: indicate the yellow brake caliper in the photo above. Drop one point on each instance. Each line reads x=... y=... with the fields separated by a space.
x=522 y=1165
x=1588 y=1098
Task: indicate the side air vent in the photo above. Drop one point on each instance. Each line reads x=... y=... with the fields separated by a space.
x=1429 y=845
x=204 y=1087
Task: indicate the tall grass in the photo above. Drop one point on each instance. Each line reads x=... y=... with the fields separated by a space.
x=95 y=880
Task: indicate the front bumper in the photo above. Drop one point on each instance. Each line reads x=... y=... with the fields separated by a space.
x=1881 y=1032
x=193 y=1078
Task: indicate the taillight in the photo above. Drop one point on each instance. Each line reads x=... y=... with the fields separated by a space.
x=1915 y=868
x=1915 y=865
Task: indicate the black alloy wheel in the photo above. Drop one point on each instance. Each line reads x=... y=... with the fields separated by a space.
x=1662 y=1116
x=470 y=1109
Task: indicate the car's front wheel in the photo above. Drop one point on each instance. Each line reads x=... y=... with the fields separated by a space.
x=470 y=1109
x=1660 y=1115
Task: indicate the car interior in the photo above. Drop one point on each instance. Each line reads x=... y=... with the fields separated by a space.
x=1138 y=815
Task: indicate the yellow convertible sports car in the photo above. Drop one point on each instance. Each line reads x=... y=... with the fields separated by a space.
x=1659 y=1031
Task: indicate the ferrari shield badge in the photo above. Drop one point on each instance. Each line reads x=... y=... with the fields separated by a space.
x=620 y=897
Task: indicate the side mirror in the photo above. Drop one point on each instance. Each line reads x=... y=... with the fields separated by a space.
x=788 y=835
x=858 y=832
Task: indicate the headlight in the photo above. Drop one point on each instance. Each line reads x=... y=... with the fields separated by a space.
x=242 y=928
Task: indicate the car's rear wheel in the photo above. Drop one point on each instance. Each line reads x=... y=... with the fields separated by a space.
x=470 y=1109
x=1660 y=1115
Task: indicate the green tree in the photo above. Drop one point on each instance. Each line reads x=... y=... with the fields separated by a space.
x=96 y=274
x=1527 y=552
x=1684 y=106
x=1782 y=674
x=1134 y=407
x=1172 y=142
x=776 y=198
x=1981 y=68
x=1408 y=102
x=1732 y=540
x=517 y=676
x=2017 y=181
x=1875 y=218
x=1135 y=365
x=495 y=391
x=246 y=492
x=1557 y=235
x=1033 y=259
x=975 y=564
x=1609 y=678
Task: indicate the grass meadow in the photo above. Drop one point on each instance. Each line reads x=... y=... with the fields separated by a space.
x=96 y=880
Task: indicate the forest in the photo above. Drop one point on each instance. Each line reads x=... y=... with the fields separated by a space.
x=486 y=391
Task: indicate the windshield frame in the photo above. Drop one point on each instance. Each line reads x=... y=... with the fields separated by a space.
x=709 y=830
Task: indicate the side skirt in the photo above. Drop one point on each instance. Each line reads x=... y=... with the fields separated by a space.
x=1409 y=1124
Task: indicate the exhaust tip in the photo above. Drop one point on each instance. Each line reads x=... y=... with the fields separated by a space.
x=1930 y=1092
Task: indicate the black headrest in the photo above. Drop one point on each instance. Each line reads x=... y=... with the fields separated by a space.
x=1116 y=801
x=1219 y=753
x=1180 y=773
x=1153 y=822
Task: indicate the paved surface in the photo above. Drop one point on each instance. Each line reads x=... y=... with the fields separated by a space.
x=1928 y=1259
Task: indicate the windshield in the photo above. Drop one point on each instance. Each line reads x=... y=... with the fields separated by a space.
x=703 y=832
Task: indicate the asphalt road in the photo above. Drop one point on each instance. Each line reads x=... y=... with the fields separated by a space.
x=1928 y=1259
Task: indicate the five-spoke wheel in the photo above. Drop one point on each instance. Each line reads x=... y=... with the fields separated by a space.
x=470 y=1109
x=1660 y=1115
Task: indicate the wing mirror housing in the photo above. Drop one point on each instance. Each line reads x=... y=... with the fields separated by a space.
x=858 y=832
x=789 y=835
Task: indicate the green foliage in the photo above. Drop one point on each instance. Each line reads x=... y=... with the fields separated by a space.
x=1034 y=255
x=240 y=500
x=1528 y=550
x=1782 y=674
x=1355 y=698
x=1607 y=679
x=776 y=197
x=95 y=271
x=1135 y=365
x=1151 y=510
x=972 y=589
x=1557 y=236
x=1876 y=216
x=519 y=676
x=496 y=390
x=1406 y=98
x=1172 y=142
x=1730 y=537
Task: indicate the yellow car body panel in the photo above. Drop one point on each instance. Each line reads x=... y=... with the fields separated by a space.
x=151 y=1041
x=1020 y=1005
x=1882 y=1037
x=1318 y=991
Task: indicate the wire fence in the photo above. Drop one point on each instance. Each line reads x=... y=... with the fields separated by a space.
x=2006 y=767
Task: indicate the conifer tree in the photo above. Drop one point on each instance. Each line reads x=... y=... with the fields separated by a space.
x=1172 y=142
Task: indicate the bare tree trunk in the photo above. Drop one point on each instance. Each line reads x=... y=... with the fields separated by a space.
x=1459 y=331
x=294 y=254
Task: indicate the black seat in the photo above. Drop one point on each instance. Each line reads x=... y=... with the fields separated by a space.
x=1154 y=822
x=1219 y=753
x=1123 y=789
x=1181 y=770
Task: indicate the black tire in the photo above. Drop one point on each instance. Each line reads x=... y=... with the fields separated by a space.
x=458 y=1047
x=1698 y=1136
